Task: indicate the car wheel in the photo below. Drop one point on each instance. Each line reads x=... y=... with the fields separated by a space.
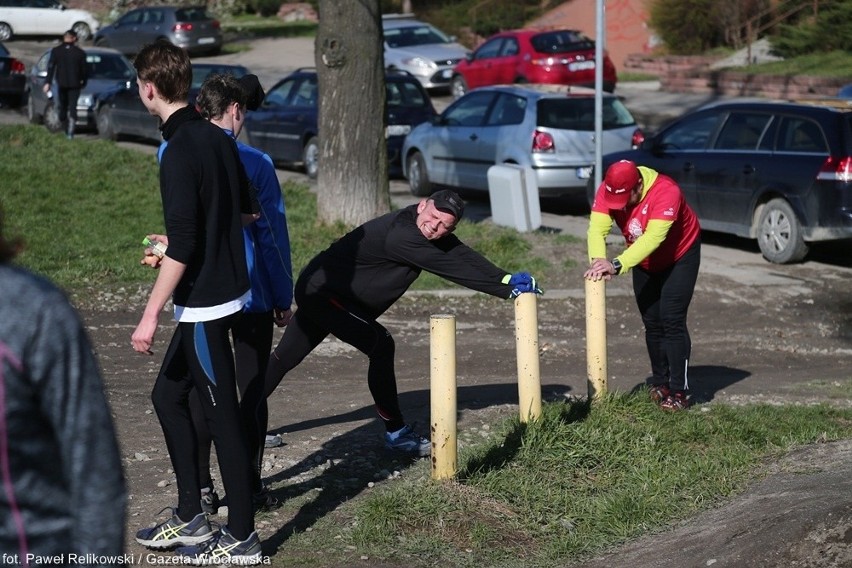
x=5 y=31
x=51 y=118
x=83 y=30
x=779 y=234
x=106 y=129
x=458 y=86
x=33 y=116
x=310 y=157
x=418 y=177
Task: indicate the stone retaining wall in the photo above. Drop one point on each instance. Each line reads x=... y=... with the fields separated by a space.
x=692 y=74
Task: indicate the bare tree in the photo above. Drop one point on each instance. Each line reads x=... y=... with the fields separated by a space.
x=353 y=174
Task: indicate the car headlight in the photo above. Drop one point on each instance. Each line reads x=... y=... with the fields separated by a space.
x=420 y=62
x=86 y=100
x=397 y=130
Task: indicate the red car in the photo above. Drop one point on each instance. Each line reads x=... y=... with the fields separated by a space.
x=562 y=57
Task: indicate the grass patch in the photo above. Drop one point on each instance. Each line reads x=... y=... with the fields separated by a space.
x=84 y=206
x=249 y=26
x=571 y=485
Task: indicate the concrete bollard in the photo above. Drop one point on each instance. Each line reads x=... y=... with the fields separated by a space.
x=596 y=338
x=444 y=428
x=526 y=341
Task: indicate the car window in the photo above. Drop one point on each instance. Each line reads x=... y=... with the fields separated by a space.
x=306 y=93
x=469 y=110
x=3 y=51
x=153 y=17
x=742 y=131
x=404 y=94
x=510 y=47
x=279 y=94
x=131 y=18
x=561 y=41
x=801 y=135
x=108 y=67
x=201 y=72
x=693 y=133
x=489 y=49
x=579 y=113
x=414 y=35
x=508 y=109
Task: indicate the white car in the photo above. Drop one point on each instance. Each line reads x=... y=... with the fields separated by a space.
x=421 y=50
x=549 y=128
x=43 y=18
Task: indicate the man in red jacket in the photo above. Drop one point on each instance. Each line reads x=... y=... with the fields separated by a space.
x=664 y=249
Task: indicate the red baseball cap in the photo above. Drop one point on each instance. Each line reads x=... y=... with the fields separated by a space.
x=620 y=179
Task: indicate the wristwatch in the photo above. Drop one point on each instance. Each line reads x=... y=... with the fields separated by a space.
x=616 y=264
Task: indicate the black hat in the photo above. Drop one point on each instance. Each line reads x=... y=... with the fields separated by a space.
x=71 y=33
x=449 y=201
x=254 y=91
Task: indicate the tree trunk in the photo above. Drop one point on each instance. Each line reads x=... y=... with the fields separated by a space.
x=353 y=174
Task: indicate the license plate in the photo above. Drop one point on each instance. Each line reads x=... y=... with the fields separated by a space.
x=398 y=129
x=585 y=172
x=581 y=65
x=206 y=40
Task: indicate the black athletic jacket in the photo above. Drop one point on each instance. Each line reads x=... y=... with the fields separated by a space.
x=373 y=265
x=68 y=64
x=204 y=189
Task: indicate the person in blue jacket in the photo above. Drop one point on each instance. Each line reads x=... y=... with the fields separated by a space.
x=223 y=100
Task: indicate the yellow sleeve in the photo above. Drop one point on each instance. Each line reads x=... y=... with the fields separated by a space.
x=600 y=224
x=655 y=233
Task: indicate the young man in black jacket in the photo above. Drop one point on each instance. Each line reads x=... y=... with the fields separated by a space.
x=204 y=190
x=345 y=288
x=67 y=64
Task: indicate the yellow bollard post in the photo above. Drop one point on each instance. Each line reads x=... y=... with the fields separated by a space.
x=526 y=340
x=596 y=338
x=442 y=349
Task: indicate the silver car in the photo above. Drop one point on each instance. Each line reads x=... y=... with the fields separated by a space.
x=420 y=49
x=549 y=128
x=108 y=70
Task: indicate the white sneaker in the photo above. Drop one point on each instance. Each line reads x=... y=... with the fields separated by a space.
x=273 y=441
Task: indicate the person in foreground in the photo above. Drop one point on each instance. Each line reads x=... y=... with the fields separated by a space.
x=664 y=250
x=345 y=288
x=204 y=190
x=63 y=489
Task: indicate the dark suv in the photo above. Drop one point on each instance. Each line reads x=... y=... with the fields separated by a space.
x=286 y=124
x=777 y=172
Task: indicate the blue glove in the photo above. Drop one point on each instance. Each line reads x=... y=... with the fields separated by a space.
x=523 y=282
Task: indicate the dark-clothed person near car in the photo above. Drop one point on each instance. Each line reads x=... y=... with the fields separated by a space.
x=664 y=250
x=62 y=488
x=345 y=288
x=68 y=66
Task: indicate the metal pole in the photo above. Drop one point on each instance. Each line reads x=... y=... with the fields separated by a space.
x=596 y=338
x=599 y=58
x=526 y=340
x=442 y=348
